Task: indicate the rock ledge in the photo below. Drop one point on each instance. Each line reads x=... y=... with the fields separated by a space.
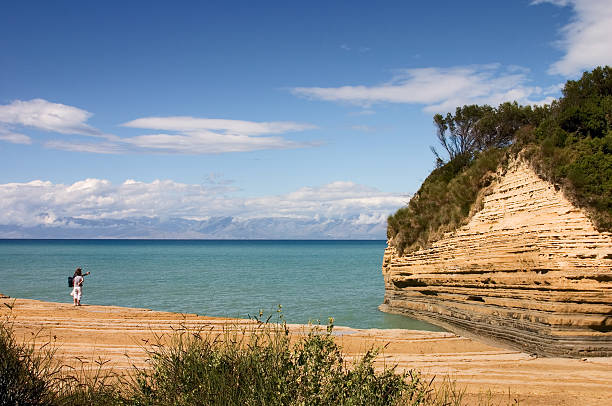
x=528 y=270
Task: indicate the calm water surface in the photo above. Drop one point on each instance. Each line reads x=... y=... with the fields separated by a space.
x=312 y=280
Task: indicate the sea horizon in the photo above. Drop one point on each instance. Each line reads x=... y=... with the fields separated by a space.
x=195 y=239
x=312 y=280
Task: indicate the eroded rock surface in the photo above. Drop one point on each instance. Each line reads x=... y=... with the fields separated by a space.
x=528 y=270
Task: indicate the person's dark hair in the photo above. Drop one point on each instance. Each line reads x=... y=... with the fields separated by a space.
x=78 y=272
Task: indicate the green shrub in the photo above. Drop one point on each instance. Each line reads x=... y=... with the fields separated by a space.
x=90 y=384
x=583 y=168
x=26 y=375
x=263 y=368
x=32 y=376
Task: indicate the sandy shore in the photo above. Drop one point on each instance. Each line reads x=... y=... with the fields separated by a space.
x=118 y=334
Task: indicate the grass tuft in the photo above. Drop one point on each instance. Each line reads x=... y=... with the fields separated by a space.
x=27 y=375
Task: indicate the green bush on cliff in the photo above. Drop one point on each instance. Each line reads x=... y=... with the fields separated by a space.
x=568 y=143
x=444 y=200
x=573 y=145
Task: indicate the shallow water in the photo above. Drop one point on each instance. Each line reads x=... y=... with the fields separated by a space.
x=312 y=280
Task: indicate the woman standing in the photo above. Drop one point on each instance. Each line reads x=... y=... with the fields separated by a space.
x=77 y=286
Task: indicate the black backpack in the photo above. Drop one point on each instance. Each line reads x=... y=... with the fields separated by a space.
x=70 y=283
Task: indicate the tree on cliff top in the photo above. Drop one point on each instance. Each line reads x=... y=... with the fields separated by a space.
x=569 y=143
x=459 y=134
x=473 y=129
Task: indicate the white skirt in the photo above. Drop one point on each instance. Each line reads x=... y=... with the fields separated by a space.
x=76 y=292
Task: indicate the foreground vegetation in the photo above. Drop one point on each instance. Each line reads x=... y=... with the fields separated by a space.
x=568 y=143
x=262 y=366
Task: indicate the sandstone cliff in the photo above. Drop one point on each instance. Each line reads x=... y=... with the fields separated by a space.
x=528 y=269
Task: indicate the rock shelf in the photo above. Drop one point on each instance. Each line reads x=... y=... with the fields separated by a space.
x=528 y=270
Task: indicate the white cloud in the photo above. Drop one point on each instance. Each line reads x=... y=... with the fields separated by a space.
x=193 y=135
x=47 y=116
x=371 y=219
x=587 y=39
x=207 y=143
x=560 y=3
x=43 y=203
x=333 y=191
x=14 y=138
x=93 y=147
x=210 y=136
x=215 y=178
x=95 y=199
x=187 y=144
x=336 y=199
x=235 y=127
x=439 y=89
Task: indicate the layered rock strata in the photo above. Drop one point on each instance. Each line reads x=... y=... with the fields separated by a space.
x=528 y=270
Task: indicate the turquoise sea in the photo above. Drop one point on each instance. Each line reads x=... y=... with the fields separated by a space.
x=312 y=280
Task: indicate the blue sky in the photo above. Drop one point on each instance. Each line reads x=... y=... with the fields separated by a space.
x=259 y=109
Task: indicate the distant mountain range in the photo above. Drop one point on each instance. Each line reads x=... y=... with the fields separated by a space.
x=213 y=228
